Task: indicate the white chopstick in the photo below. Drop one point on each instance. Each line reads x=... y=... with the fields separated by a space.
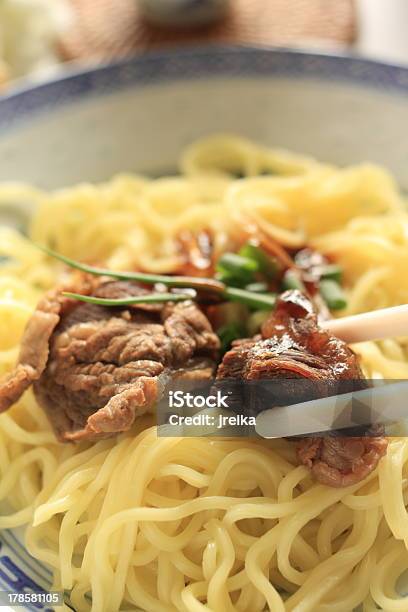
x=375 y=325
x=381 y=404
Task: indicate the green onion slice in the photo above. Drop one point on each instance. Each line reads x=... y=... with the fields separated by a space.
x=257 y=287
x=332 y=272
x=333 y=294
x=233 y=262
x=255 y=300
x=150 y=298
x=266 y=264
x=207 y=284
x=228 y=333
x=292 y=280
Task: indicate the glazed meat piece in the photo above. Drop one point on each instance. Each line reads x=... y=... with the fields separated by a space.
x=96 y=368
x=306 y=362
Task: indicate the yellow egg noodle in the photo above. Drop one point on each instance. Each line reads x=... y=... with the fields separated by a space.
x=195 y=524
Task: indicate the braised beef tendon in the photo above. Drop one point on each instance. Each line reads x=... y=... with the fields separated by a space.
x=292 y=348
x=95 y=369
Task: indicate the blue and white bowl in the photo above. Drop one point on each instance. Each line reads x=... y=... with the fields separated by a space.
x=137 y=115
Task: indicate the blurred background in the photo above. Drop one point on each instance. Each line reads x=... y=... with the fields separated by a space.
x=41 y=38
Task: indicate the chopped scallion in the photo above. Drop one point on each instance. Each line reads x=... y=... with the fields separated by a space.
x=236 y=270
x=292 y=280
x=332 y=272
x=233 y=262
x=235 y=280
x=228 y=333
x=266 y=264
x=332 y=294
x=254 y=300
x=257 y=287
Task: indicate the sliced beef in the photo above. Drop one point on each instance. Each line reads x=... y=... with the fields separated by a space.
x=96 y=368
x=34 y=350
x=306 y=362
x=341 y=461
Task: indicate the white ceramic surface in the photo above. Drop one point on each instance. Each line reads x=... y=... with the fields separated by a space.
x=329 y=110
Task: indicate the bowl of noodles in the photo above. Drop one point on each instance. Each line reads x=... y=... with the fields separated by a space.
x=198 y=215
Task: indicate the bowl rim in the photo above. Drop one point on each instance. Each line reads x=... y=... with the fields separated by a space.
x=193 y=62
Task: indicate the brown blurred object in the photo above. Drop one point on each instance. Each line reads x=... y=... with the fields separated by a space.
x=105 y=29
